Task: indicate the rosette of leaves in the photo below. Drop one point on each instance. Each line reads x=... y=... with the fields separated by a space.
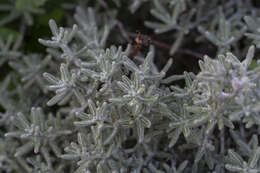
x=139 y=99
x=224 y=83
x=31 y=68
x=100 y=120
x=172 y=19
x=177 y=101
x=38 y=132
x=91 y=156
x=235 y=160
x=21 y=8
x=103 y=68
x=227 y=33
x=237 y=164
x=64 y=87
x=76 y=42
x=94 y=27
x=135 y=92
x=147 y=71
x=169 y=19
x=9 y=49
x=61 y=38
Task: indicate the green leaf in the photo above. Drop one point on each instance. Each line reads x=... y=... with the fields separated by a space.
x=253 y=64
x=146 y=122
x=29 y=5
x=199 y=155
x=174 y=136
x=140 y=131
x=249 y=57
x=233 y=168
x=6 y=32
x=235 y=158
x=56 y=15
x=254 y=158
x=228 y=123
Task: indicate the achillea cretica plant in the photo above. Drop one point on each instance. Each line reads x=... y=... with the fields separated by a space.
x=93 y=97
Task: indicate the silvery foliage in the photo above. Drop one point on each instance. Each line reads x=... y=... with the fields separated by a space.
x=170 y=20
x=9 y=49
x=119 y=100
x=114 y=115
x=228 y=31
x=31 y=69
x=250 y=150
x=21 y=9
x=253 y=26
x=182 y=16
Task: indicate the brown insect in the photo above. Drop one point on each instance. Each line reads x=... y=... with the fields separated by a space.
x=132 y=117
x=140 y=40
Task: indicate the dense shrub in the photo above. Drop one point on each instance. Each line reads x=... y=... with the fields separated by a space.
x=82 y=91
